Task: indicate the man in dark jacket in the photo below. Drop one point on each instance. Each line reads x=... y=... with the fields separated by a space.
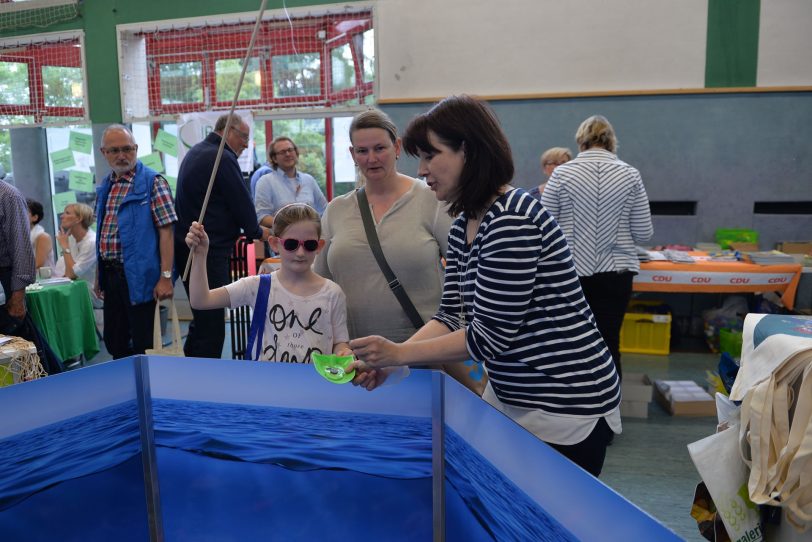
x=229 y=214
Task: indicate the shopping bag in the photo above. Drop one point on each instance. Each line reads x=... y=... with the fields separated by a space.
x=721 y=467
x=175 y=348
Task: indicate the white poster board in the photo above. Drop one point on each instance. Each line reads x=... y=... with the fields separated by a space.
x=194 y=127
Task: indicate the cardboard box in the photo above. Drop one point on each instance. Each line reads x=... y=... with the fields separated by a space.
x=794 y=247
x=684 y=398
x=635 y=395
x=634 y=409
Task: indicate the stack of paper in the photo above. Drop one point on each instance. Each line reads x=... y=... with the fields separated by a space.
x=770 y=257
x=678 y=256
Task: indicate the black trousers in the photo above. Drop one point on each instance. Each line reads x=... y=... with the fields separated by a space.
x=127 y=327
x=590 y=453
x=608 y=296
x=27 y=329
x=207 y=331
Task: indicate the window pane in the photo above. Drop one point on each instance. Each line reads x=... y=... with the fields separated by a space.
x=369 y=55
x=343 y=68
x=228 y=75
x=62 y=86
x=181 y=83
x=344 y=174
x=296 y=75
x=308 y=134
x=5 y=152
x=14 y=83
x=16 y=119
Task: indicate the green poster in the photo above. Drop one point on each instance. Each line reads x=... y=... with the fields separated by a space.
x=62 y=199
x=80 y=181
x=173 y=184
x=166 y=143
x=153 y=161
x=62 y=159
x=80 y=142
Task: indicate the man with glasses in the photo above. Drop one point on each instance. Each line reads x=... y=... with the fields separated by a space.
x=284 y=184
x=134 y=218
x=229 y=214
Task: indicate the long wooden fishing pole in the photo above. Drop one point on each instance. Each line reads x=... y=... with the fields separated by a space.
x=225 y=130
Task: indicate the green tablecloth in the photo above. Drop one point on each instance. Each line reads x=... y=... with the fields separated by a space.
x=64 y=314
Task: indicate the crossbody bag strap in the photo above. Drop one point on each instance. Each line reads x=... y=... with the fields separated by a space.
x=257 y=329
x=391 y=279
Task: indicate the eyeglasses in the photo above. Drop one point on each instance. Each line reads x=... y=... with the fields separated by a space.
x=289 y=150
x=242 y=134
x=292 y=245
x=115 y=150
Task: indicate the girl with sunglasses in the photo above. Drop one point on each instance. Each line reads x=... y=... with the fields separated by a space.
x=306 y=313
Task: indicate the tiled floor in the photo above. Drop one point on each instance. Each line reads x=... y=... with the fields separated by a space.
x=649 y=463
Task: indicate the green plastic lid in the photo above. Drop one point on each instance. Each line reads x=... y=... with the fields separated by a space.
x=333 y=367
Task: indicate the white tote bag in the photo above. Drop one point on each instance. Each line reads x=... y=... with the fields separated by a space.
x=176 y=347
x=725 y=475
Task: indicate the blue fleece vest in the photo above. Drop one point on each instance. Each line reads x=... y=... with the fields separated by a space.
x=138 y=234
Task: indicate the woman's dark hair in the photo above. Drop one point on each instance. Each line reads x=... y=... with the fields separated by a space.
x=464 y=122
x=36 y=209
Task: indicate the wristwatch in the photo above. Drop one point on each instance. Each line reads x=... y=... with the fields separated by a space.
x=66 y=251
x=166 y=274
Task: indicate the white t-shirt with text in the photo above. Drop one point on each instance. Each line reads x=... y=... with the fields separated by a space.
x=296 y=326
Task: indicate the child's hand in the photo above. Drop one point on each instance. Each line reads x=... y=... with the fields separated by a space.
x=344 y=350
x=196 y=239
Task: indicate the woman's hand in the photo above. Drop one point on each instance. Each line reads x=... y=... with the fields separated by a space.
x=376 y=352
x=62 y=239
x=367 y=377
x=197 y=240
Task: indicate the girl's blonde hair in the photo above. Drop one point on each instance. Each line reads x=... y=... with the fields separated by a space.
x=293 y=213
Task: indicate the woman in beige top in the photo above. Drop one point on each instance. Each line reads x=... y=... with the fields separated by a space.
x=412 y=227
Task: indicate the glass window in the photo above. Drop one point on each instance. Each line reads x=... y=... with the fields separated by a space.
x=296 y=75
x=228 y=75
x=5 y=151
x=14 y=83
x=73 y=179
x=369 y=55
x=181 y=83
x=260 y=143
x=62 y=86
x=343 y=68
x=344 y=174
x=16 y=119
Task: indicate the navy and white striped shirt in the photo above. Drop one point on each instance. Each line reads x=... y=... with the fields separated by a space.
x=526 y=315
x=602 y=207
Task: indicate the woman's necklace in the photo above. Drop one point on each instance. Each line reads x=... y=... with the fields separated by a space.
x=462 y=265
x=465 y=257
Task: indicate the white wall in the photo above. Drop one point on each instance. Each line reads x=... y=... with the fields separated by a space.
x=510 y=47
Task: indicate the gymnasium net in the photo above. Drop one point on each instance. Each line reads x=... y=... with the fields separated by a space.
x=35 y=14
x=42 y=80
x=302 y=59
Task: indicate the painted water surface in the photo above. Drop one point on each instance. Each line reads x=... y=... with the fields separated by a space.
x=245 y=472
x=497 y=504
x=77 y=479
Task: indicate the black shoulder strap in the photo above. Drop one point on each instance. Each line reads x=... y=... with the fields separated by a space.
x=375 y=246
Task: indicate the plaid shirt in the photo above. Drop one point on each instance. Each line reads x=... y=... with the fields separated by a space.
x=162 y=206
x=15 y=241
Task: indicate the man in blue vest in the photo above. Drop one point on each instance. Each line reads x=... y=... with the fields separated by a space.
x=229 y=214
x=134 y=244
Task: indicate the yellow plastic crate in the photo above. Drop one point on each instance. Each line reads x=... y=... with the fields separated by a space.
x=645 y=333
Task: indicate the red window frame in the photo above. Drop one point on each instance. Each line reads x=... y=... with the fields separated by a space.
x=38 y=56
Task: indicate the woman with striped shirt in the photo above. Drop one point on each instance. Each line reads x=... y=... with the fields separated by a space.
x=511 y=296
x=602 y=207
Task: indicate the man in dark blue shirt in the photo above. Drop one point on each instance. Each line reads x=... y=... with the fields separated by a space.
x=229 y=214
